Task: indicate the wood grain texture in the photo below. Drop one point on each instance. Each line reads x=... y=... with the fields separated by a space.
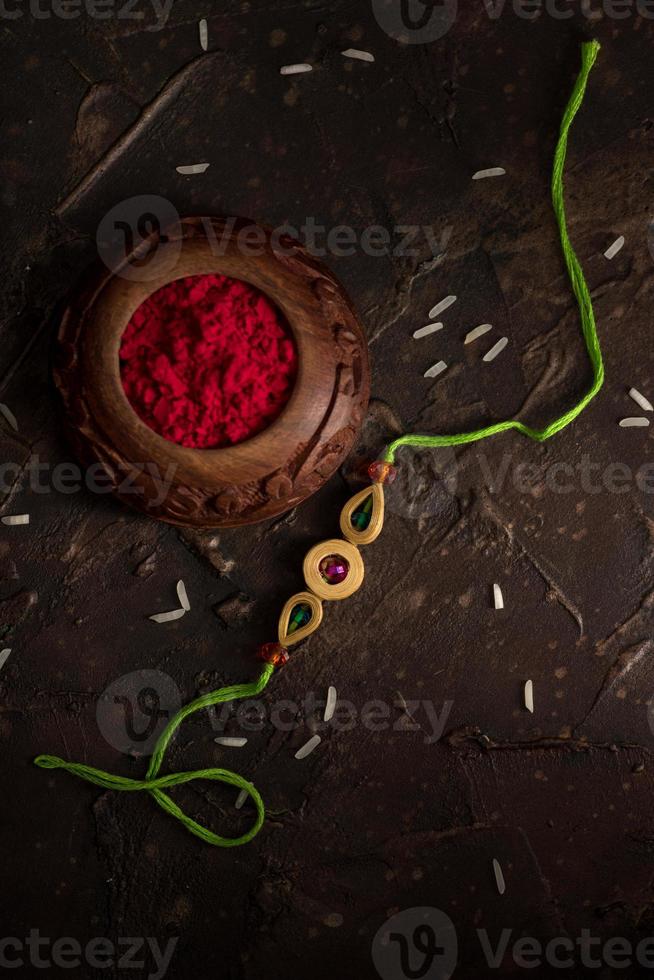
x=263 y=476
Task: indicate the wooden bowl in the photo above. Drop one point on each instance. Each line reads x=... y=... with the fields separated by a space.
x=256 y=479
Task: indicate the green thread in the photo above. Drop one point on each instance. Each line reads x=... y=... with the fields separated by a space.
x=589 y=53
x=155 y=784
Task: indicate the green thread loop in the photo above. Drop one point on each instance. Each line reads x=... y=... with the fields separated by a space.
x=155 y=784
x=589 y=53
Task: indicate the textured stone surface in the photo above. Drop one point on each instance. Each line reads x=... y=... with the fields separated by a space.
x=379 y=818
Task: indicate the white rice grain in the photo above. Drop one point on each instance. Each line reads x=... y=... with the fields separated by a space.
x=435 y=370
x=498 y=598
x=425 y=331
x=440 y=307
x=359 y=55
x=529 y=696
x=182 y=596
x=204 y=34
x=641 y=400
x=499 y=876
x=232 y=743
x=330 y=706
x=491 y=172
x=13 y=519
x=630 y=423
x=613 y=249
x=308 y=747
x=496 y=349
x=192 y=168
x=241 y=798
x=298 y=69
x=168 y=617
x=3 y=656
x=9 y=415
x=478 y=332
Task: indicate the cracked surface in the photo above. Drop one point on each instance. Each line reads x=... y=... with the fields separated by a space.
x=374 y=821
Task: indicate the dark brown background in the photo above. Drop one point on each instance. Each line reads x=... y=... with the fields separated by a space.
x=372 y=822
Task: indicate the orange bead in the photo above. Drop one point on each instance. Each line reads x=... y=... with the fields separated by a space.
x=273 y=653
x=381 y=472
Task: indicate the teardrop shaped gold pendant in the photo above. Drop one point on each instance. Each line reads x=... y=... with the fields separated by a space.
x=362 y=518
x=300 y=617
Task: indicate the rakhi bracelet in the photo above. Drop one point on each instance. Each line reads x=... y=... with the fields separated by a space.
x=333 y=569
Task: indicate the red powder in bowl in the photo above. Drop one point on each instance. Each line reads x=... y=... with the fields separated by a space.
x=207 y=361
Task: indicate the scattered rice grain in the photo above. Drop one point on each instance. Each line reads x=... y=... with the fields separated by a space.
x=359 y=55
x=3 y=656
x=641 y=400
x=241 y=798
x=478 y=332
x=613 y=249
x=298 y=69
x=168 y=617
x=435 y=370
x=425 y=331
x=630 y=423
x=204 y=34
x=498 y=598
x=232 y=743
x=440 y=307
x=308 y=747
x=529 y=696
x=13 y=519
x=491 y=172
x=499 y=876
x=496 y=349
x=330 y=707
x=182 y=596
x=192 y=168
x=9 y=415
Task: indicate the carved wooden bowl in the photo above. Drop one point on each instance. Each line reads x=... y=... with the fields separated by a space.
x=255 y=479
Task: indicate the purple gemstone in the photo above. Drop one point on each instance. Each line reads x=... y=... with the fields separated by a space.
x=334 y=569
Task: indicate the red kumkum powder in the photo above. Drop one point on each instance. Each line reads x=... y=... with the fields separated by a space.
x=207 y=361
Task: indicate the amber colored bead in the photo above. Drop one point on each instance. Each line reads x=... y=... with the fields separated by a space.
x=273 y=653
x=381 y=472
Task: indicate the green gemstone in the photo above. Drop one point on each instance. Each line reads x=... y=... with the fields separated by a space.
x=300 y=616
x=360 y=518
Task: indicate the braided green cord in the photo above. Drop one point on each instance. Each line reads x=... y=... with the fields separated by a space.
x=589 y=53
x=154 y=783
